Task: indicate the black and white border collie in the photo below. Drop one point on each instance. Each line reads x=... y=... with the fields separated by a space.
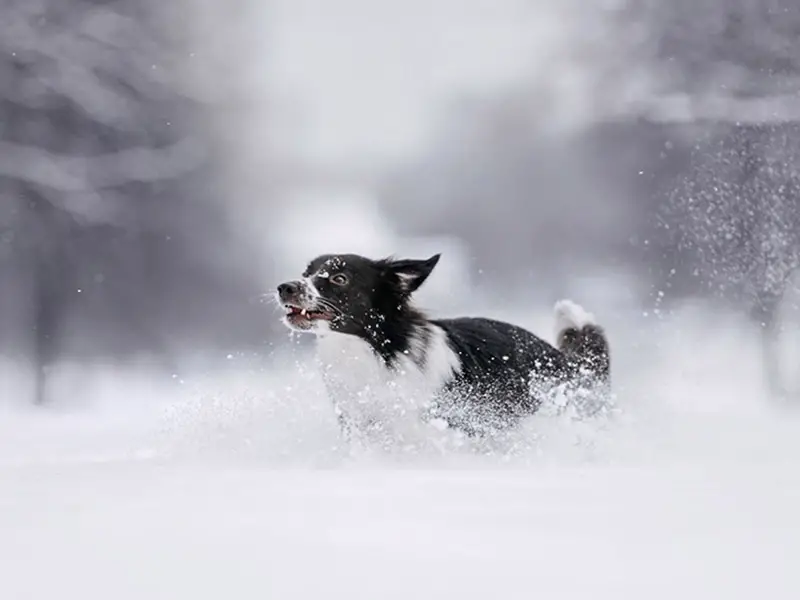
x=382 y=358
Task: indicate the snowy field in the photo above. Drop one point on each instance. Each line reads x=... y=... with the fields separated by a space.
x=230 y=486
x=227 y=483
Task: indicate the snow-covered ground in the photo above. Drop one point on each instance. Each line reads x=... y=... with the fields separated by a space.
x=227 y=485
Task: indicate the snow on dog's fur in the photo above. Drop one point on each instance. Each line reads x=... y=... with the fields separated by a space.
x=383 y=361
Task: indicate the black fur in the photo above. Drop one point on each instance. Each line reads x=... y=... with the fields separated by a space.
x=588 y=348
x=501 y=365
x=504 y=369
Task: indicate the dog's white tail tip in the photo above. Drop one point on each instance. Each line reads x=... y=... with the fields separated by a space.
x=570 y=315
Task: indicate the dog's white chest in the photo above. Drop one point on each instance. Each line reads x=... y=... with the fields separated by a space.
x=349 y=363
x=367 y=391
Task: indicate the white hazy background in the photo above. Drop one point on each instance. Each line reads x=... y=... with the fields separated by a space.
x=224 y=478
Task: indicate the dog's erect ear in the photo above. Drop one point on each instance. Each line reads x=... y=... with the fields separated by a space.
x=413 y=273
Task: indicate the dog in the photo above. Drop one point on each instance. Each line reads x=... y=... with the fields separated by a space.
x=382 y=357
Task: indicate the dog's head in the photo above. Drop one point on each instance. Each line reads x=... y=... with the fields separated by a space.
x=351 y=294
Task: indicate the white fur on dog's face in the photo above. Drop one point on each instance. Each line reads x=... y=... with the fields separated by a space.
x=306 y=309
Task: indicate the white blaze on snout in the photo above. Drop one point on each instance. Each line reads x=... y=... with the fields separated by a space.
x=309 y=288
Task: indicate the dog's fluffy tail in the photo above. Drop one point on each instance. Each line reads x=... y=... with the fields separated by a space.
x=582 y=339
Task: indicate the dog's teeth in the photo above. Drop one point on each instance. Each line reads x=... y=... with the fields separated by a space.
x=304 y=312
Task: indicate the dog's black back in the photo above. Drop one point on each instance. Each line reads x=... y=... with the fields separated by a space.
x=500 y=365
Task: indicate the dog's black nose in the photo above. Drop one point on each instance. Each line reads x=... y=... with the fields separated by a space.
x=290 y=288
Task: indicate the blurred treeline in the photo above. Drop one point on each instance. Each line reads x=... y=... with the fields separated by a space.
x=124 y=192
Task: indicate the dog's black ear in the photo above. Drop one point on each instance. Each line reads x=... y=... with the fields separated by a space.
x=413 y=273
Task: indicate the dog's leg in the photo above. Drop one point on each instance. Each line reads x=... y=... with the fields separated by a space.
x=354 y=441
x=337 y=394
x=345 y=425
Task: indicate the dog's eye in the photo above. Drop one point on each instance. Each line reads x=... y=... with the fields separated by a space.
x=339 y=279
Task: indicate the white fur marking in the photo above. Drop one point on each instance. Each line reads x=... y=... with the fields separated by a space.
x=362 y=387
x=407 y=278
x=571 y=315
x=309 y=285
x=439 y=360
x=324 y=271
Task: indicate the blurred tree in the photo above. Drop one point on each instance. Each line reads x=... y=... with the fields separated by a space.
x=738 y=212
x=520 y=198
x=733 y=218
x=109 y=180
x=661 y=76
x=734 y=48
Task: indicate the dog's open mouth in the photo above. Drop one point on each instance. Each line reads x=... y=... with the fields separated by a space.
x=296 y=315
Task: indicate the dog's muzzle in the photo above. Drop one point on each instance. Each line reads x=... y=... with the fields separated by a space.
x=291 y=292
x=301 y=309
